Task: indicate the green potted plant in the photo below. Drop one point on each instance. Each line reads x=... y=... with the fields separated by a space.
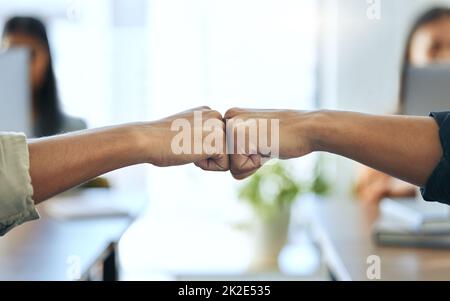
x=270 y=193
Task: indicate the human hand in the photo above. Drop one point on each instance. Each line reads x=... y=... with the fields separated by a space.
x=194 y=136
x=277 y=134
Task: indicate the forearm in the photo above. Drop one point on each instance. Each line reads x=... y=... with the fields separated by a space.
x=405 y=147
x=62 y=162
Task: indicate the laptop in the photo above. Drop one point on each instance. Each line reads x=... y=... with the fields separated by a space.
x=427 y=90
x=15 y=96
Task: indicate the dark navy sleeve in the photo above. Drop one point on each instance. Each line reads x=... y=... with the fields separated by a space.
x=437 y=188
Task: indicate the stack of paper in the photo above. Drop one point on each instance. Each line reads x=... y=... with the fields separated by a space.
x=413 y=223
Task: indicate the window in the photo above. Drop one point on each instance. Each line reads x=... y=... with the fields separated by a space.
x=125 y=60
x=222 y=53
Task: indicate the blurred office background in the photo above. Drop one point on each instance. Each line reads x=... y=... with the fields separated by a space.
x=126 y=60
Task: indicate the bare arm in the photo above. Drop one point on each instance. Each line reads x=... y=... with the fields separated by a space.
x=62 y=162
x=405 y=147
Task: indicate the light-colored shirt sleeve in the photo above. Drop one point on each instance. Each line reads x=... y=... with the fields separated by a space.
x=16 y=191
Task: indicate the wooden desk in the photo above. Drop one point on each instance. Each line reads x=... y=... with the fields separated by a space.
x=343 y=232
x=43 y=249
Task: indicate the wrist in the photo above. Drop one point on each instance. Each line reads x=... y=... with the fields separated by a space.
x=331 y=130
x=139 y=137
x=317 y=128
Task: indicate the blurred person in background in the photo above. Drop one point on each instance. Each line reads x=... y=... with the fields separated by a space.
x=47 y=116
x=428 y=43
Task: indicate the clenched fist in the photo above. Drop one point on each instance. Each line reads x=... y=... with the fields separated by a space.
x=254 y=136
x=194 y=136
x=241 y=141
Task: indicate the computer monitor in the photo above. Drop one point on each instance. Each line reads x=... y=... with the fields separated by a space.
x=15 y=104
x=427 y=90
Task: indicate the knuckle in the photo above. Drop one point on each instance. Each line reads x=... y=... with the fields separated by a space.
x=238 y=176
x=216 y=114
x=232 y=112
